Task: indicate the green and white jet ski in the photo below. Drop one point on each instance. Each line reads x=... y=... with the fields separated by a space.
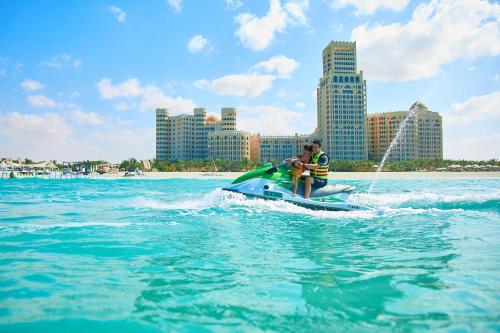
x=275 y=183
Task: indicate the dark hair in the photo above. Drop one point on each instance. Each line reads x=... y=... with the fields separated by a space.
x=309 y=148
x=317 y=142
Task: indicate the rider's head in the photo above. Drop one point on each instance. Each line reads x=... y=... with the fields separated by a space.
x=316 y=146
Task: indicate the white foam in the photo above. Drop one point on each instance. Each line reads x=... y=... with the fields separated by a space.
x=33 y=227
x=229 y=200
x=421 y=198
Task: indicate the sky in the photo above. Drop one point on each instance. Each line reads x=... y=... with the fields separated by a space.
x=81 y=79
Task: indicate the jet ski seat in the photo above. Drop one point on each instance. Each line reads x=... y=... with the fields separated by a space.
x=325 y=190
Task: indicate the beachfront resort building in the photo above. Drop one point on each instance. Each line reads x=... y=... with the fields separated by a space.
x=275 y=148
x=185 y=136
x=199 y=136
x=230 y=145
x=344 y=127
x=422 y=139
x=341 y=103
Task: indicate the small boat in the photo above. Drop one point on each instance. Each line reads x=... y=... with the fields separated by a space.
x=275 y=183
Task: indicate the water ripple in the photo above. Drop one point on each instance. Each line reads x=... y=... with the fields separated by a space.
x=145 y=255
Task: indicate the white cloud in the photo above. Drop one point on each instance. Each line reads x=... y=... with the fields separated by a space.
x=32 y=135
x=175 y=4
x=495 y=77
x=439 y=32
x=73 y=109
x=300 y=105
x=121 y=106
x=269 y=120
x=281 y=93
x=29 y=135
x=238 y=84
x=296 y=11
x=119 y=14
x=42 y=101
x=477 y=147
x=129 y=88
x=254 y=83
x=150 y=96
x=31 y=85
x=233 y=4
x=153 y=97
x=369 y=7
x=198 y=43
x=281 y=65
x=84 y=118
x=257 y=33
x=474 y=109
x=121 y=143
x=62 y=60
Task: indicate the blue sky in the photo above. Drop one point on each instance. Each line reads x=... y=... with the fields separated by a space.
x=80 y=79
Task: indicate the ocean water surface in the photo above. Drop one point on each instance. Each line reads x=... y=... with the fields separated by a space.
x=139 y=255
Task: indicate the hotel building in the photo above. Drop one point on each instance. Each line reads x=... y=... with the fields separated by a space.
x=344 y=127
x=185 y=136
x=423 y=135
x=341 y=103
x=276 y=148
x=229 y=145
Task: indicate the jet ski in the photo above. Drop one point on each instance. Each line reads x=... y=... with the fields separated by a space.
x=275 y=183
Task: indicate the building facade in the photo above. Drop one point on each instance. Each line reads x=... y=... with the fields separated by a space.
x=341 y=103
x=229 y=145
x=276 y=148
x=422 y=139
x=185 y=136
x=344 y=127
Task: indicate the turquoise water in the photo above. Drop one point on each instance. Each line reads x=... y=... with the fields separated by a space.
x=138 y=255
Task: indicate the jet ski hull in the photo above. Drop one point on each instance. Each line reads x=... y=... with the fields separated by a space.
x=333 y=198
x=341 y=206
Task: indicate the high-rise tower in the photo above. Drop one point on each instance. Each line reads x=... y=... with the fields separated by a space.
x=341 y=98
x=228 y=121
x=163 y=139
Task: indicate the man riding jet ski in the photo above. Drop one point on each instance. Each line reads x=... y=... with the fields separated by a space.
x=313 y=192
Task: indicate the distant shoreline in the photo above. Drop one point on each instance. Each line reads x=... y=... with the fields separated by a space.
x=332 y=175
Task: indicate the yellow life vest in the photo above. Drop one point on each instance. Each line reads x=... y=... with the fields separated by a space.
x=322 y=171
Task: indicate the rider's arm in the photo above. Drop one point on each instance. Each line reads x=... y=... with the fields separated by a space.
x=311 y=166
x=323 y=160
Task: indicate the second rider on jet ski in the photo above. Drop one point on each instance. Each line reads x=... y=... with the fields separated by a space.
x=298 y=166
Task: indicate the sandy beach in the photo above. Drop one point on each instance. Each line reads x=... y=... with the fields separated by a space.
x=332 y=175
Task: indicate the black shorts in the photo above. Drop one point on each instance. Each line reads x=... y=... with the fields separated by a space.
x=318 y=182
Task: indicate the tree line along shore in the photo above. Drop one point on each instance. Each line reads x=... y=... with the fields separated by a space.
x=337 y=166
x=133 y=164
